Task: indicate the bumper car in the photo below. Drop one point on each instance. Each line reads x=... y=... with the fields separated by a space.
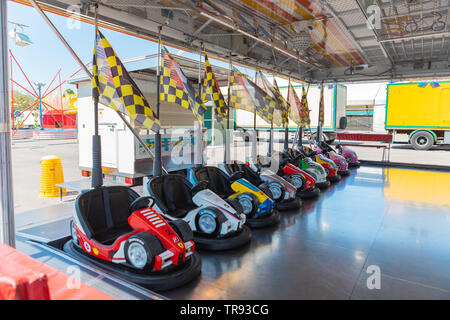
x=330 y=167
x=283 y=193
x=115 y=229
x=305 y=183
x=215 y=223
x=350 y=156
x=340 y=161
x=299 y=159
x=257 y=206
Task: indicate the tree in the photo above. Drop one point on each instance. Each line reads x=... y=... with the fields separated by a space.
x=22 y=100
x=68 y=91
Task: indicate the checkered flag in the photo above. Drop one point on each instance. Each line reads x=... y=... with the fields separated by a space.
x=321 y=106
x=298 y=111
x=113 y=86
x=211 y=91
x=246 y=95
x=176 y=88
x=280 y=117
x=283 y=105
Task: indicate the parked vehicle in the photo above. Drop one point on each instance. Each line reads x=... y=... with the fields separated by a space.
x=421 y=110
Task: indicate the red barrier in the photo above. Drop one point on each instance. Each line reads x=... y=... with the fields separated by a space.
x=386 y=138
x=24 y=278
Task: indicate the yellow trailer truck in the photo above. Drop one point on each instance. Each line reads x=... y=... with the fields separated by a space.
x=421 y=110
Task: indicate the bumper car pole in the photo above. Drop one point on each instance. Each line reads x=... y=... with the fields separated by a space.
x=157 y=159
x=286 y=130
x=254 y=140
x=198 y=126
x=97 y=175
x=321 y=115
x=269 y=153
x=286 y=139
x=227 y=153
x=300 y=136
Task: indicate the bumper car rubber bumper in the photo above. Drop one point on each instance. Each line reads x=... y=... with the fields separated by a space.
x=287 y=205
x=219 y=244
x=157 y=281
x=335 y=178
x=309 y=193
x=257 y=223
x=323 y=185
x=345 y=173
x=354 y=164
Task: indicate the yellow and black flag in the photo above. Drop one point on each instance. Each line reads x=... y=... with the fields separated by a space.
x=211 y=91
x=280 y=117
x=321 y=106
x=114 y=88
x=176 y=88
x=246 y=95
x=282 y=103
x=299 y=111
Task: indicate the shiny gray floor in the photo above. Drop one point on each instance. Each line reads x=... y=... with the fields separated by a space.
x=395 y=219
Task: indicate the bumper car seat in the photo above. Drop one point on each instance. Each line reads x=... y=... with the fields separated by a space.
x=283 y=193
x=241 y=194
x=216 y=225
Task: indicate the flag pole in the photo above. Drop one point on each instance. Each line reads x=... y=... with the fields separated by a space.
x=255 y=133
x=300 y=144
x=286 y=129
x=270 y=151
x=157 y=160
x=97 y=174
x=198 y=130
x=254 y=139
x=319 y=125
x=298 y=132
x=227 y=138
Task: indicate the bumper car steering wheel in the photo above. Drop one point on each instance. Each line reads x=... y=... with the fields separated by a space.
x=201 y=185
x=141 y=203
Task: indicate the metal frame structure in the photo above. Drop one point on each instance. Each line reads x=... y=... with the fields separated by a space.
x=342 y=45
x=263 y=33
x=7 y=225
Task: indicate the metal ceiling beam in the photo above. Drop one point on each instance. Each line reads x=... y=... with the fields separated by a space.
x=232 y=26
x=339 y=20
x=422 y=36
x=375 y=33
x=411 y=13
x=200 y=29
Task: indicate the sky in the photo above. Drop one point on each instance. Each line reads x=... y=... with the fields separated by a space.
x=46 y=55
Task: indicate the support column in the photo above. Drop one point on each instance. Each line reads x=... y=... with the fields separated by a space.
x=7 y=226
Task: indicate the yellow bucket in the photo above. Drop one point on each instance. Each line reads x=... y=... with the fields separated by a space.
x=51 y=174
